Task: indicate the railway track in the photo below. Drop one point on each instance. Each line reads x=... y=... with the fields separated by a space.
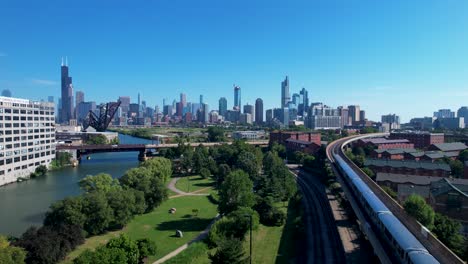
x=323 y=243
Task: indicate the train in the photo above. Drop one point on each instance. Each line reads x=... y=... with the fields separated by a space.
x=396 y=238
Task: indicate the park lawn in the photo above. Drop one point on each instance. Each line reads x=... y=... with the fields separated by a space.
x=194 y=183
x=196 y=253
x=271 y=244
x=160 y=226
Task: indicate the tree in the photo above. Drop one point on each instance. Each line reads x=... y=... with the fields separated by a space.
x=142 y=179
x=159 y=167
x=41 y=170
x=200 y=159
x=128 y=245
x=49 y=244
x=358 y=151
x=205 y=173
x=10 y=254
x=67 y=211
x=417 y=207
x=146 y=248
x=456 y=167
x=99 y=215
x=222 y=172
x=230 y=251
x=100 y=182
x=368 y=172
x=463 y=155
x=390 y=192
x=235 y=192
x=248 y=163
x=216 y=134
x=102 y=255
x=98 y=139
x=448 y=232
x=280 y=149
x=270 y=215
x=124 y=206
x=186 y=161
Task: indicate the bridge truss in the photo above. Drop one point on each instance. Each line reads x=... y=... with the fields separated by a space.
x=101 y=122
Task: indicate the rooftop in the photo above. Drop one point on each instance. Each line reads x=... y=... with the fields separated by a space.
x=396 y=150
x=416 y=132
x=407 y=164
x=455 y=146
x=385 y=141
x=445 y=185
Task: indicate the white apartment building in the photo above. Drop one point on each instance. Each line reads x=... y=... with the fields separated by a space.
x=27 y=137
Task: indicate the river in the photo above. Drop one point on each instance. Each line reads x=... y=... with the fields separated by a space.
x=24 y=204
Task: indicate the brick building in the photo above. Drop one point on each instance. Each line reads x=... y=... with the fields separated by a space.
x=383 y=143
x=455 y=148
x=300 y=145
x=450 y=199
x=394 y=154
x=408 y=167
x=420 y=139
x=280 y=137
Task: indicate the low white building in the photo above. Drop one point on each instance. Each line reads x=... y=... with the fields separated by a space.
x=27 y=137
x=249 y=135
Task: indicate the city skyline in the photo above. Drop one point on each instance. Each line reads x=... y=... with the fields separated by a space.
x=410 y=60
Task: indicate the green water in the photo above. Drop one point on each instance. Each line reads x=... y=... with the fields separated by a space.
x=24 y=204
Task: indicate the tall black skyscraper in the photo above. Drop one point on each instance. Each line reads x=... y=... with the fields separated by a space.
x=66 y=112
x=259 y=111
x=285 y=97
x=303 y=106
x=237 y=98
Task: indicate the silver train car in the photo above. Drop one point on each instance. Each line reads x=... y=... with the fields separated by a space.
x=404 y=246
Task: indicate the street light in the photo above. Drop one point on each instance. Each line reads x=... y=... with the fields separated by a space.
x=250 y=258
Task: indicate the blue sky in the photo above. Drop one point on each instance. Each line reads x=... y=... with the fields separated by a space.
x=403 y=57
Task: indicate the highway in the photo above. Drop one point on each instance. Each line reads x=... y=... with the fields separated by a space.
x=323 y=243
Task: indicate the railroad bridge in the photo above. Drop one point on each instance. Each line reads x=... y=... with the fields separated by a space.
x=143 y=149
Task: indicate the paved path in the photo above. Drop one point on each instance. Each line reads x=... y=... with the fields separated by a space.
x=200 y=236
x=172 y=187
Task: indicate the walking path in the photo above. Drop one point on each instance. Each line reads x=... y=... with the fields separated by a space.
x=202 y=234
x=172 y=187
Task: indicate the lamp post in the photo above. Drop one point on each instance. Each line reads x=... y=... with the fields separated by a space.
x=250 y=258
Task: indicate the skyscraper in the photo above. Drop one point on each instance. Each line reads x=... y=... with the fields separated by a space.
x=354 y=113
x=463 y=112
x=79 y=97
x=222 y=106
x=303 y=106
x=66 y=112
x=259 y=111
x=249 y=109
x=124 y=105
x=285 y=97
x=237 y=98
x=201 y=99
x=50 y=99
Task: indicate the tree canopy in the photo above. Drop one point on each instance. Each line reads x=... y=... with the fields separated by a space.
x=417 y=207
x=235 y=192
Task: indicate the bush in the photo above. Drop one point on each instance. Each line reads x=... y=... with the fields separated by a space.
x=269 y=214
x=417 y=207
x=230 y=251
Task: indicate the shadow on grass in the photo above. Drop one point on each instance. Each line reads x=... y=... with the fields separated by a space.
x=185 y=225
x=291 y=238
x=204 y=184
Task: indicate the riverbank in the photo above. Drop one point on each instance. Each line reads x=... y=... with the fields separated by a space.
x=29 y=200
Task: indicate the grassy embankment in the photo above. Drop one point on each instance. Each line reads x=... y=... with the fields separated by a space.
x=276 y=244
x=160 y=226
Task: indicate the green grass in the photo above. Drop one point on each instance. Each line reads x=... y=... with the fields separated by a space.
x=196 y=253
x=160 y=226
x=194 y=183
x=274 y=244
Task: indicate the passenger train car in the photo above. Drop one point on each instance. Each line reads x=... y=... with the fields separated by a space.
x=404 y=246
